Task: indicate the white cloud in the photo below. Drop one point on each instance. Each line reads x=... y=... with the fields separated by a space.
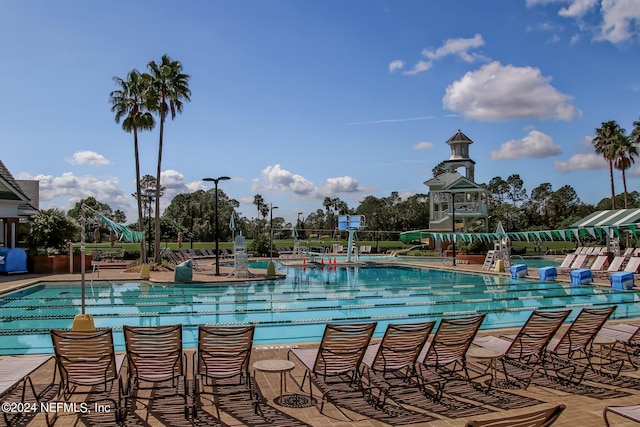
x=615 y=21
x=535 y=145
x=343 y=184
x=277 y=179
x=423 y=145
x=504 y=92
x=88 y=157
x=419 y=67
x=581 y=162
x=395 y=65
x=66 y=190
x=617 y=17
x=459 y=47
x=578 y=8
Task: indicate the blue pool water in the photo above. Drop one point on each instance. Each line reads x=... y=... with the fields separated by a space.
x=294 y=309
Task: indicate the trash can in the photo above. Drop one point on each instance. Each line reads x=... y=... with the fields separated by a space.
x=547 y=274
x=621 y=280
x=518 y=270
x=184 y=272
x=581 y=276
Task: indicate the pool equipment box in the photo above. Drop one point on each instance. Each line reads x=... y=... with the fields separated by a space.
x=622 y=280
x=547 y=274
x=518 y=270
x=581 y=276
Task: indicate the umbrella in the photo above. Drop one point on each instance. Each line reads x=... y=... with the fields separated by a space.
x=96 y=235
x=179 y=239
x=232 y=223
x=294 y=232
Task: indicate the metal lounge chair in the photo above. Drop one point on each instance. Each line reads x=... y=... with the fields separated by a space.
x=16 y=378
x=336 y=361
x=631 y=412
x=569 y=356
x=221 y=365
x=626 y=334
x=543 y=418
x=86 y=360
x=522 y=354
x=155 y=356
x=445 y=354
x=391 y=363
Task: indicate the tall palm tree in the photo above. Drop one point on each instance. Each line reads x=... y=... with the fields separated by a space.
x=605 y=144
x=170 y=88
x=635 y=133
x=258 y=200
x=128 y=101
x=626 y=152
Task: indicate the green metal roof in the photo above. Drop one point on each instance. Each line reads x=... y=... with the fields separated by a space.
x=609 y=218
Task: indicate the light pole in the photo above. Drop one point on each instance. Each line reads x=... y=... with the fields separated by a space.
x=271 y=232
x=215 y=210
x=453 y=224
x=300 y=223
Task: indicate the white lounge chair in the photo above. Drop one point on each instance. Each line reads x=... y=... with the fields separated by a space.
x=630 y=412
x=633 y=265
x=16 y=373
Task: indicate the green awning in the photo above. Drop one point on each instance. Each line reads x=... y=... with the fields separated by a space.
x=609 y=218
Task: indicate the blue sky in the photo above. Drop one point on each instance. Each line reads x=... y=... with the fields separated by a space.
x=300 y=100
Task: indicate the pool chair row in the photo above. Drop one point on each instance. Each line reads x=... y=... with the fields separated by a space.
x=347 y=368
x=154 y=359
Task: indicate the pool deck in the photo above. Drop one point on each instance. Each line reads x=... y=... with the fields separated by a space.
x=581 y=410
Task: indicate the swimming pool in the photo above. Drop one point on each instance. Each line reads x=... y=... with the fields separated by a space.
x=294 y=309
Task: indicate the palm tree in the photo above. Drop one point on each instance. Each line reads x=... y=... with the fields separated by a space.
x=170 y=87
x=635 y=134
x=258 y=200
x=626 y=151
x=605 y=144
x=128 y=102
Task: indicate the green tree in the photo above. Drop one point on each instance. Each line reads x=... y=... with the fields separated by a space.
x=170 y=87
x=51 y=230
x=92 y=222
x=128 y=102
x=605 y=143
x=515 y=189
x=626 y=152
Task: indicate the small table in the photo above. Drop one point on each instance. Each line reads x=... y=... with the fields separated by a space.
x=604 y=342
x=489 y=355
x=282 y=367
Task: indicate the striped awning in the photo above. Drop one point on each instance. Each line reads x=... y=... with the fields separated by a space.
x=609 y=218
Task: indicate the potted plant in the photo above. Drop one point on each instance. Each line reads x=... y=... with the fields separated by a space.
x=51 y=230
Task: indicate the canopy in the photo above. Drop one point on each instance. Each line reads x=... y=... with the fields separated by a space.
x=617 y=217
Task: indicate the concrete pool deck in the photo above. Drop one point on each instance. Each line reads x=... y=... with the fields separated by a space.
x=582 y=410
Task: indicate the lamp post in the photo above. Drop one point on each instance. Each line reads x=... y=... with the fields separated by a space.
x=271 y=232
x=453 y=224
x=300 y=224
x=215 y=210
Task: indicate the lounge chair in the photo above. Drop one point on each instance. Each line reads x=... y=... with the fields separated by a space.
x=522 y=354
x=391 y=363
x=616 y=265
x=567 y=261
x=626 y=334
x=543 y=418
x=16 y=378
x=86 y=360
x=336 y=361
x=631 y=412
x=155 y=356
x=599 y=263
x=633 y=265
x=569 y=356
x=221 y=365
x=445 y=354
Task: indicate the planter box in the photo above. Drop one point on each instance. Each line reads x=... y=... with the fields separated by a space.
x=471 y=259
x=56 y=264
